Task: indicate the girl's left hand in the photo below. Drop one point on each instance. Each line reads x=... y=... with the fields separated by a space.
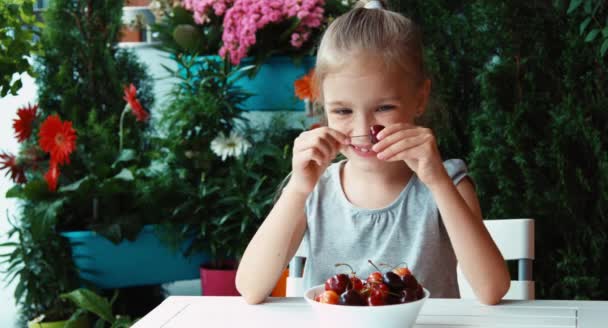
x=414 y=145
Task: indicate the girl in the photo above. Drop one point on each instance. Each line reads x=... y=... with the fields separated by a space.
x=392 y=201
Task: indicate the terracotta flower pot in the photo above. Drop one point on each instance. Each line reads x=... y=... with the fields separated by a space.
x=128 y=34
x=136 y=3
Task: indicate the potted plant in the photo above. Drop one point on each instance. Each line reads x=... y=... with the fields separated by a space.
x=90 y=303
x=224 y=170
x=43 y=269
x=281 y=45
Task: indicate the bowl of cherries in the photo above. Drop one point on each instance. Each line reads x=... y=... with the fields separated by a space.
x=390 y=299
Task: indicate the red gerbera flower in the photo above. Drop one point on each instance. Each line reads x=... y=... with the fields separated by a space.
x=57 y=138
x=52 y=176
x=136 y=107
x=23 y=124
x=16 y=172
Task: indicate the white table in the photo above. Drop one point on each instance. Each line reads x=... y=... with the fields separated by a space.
x=200 y=311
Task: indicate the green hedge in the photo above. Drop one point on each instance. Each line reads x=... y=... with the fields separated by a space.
x=521 y=89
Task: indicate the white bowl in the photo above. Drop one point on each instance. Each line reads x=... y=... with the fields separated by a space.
x=385 y=316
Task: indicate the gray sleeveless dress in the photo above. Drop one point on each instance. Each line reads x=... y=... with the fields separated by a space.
x=408 y=230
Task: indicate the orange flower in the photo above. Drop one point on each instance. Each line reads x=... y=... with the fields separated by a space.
x=304 y=87
x=23 y=124
x=58 y=139
x=52 y=176
x=136 y=107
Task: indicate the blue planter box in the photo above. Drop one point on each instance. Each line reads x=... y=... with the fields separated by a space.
x=145 y=261
x=272 y=87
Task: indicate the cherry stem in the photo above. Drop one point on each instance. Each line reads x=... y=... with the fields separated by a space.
x=351 y=268
x=398 y=265
x=385 y=265
x=372 y=263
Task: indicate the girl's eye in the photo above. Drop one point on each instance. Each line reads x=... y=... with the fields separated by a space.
x=385 y=108
x=342 y=111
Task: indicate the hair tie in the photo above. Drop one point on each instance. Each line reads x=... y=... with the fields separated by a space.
x=374 y=4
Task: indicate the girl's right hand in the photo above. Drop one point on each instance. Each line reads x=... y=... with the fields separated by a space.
x=313 y=151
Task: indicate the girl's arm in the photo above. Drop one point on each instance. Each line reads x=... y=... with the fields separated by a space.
x=272 y=247
x=479 y=258
x=278 y=238
x=481 y=262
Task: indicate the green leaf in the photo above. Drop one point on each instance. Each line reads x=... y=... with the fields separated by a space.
x=73 y=321
x=88 y=300
x=604 y=47
x=15 y=192
x=125 y=156
x=574 y=4
x=605 y=32
x=125 y=175
x=73 y=186
x=591 y=36
x=584 y=25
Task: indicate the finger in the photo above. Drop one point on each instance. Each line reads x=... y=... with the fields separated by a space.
x=396 y=137
x=337 y=135
x=394 y=128
x=326 y=146
x=303 y=158
x=397 y=150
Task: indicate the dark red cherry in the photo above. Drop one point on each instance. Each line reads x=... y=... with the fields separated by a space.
x=338 y=283
x=408 y=295
x=419 y=292
x=352 y=297
x=393 y=281
x=373 y=131
x=409 y=281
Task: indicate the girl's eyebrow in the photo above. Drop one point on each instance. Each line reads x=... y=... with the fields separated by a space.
x=338 y=103
x=390 y=99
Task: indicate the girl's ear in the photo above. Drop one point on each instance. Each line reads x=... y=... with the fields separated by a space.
x=423 y=97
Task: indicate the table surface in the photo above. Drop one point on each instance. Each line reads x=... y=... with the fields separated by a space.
x=217 y=311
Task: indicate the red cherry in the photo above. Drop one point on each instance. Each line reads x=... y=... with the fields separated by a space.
x=338 y=283
x=376 y=298
x=329 y=297
x=382 y=287
x=402 y=271
x=356 y=283
x=375 y=278
x=374 y=130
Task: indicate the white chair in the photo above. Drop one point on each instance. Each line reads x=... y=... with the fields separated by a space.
x=513 y=237
x=515 y=240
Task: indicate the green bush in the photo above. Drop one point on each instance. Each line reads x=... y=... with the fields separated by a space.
x=521 y=89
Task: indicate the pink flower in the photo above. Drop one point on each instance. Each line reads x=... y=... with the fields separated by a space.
x=244 y=18
x=201 y=8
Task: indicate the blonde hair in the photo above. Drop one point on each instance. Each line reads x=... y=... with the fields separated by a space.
x=392 y=37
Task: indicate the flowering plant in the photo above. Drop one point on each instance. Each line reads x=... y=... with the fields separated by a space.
x=236 y=29
x=56 y=138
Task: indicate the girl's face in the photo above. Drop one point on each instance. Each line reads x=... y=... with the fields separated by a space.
x=363 y=94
